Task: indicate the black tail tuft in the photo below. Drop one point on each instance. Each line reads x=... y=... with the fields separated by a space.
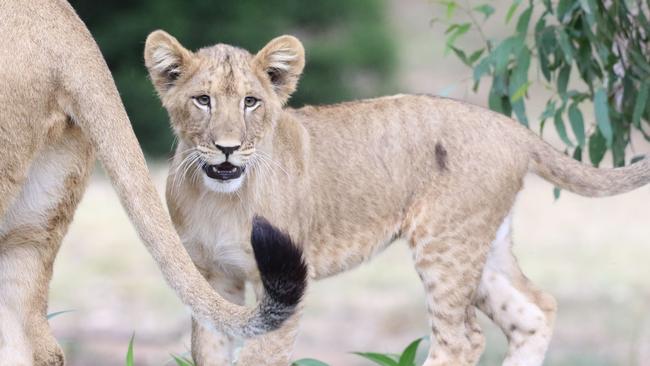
x=282 y=268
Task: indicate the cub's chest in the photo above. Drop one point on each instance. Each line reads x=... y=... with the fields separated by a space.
x=217 y=238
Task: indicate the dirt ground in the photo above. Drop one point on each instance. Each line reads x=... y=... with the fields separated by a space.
x=591 y=254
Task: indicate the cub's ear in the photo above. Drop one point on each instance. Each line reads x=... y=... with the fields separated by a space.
x=165 y=59
x=282 y=60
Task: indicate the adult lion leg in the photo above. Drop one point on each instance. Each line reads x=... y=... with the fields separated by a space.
x=17 y=148
x=524 y=313
x=209 y=346
x=25 y=271
x=16 y=151
x=32 y=231
x=274 y=348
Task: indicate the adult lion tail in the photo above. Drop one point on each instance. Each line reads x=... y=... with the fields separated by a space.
x=90 y=98
x=584 y=179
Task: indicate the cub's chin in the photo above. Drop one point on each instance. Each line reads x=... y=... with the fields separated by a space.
x=223 y=186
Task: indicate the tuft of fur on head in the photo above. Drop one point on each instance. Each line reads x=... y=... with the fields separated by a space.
x=282 y=268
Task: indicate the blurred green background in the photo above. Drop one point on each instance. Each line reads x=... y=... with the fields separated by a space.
x=350 y=49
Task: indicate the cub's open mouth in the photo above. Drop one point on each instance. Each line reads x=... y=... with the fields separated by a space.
x=223 y=171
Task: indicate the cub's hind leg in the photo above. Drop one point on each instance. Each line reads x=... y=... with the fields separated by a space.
x=524 y=313
x=449 y=250
x=30 y=236
x=210 y=347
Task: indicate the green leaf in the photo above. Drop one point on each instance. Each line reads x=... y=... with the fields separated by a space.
x=475 y=56
x=520 y=111
x=512 y=9
x=597 y=148
x=640 y=104
x=544 y=65
x=561 y=130
x=602 y=115
x=451 y=28
x=577 y=153
x=182 y=361
x=563 y=79
x=52 y=315
x=518 y=85
x=643 y=21
x=408 y=356
x=564 y=7
x=451 y=8
x=588 y=12
x=639 y=60
x=501 y=53
x=549 y=110
x=461 y=55
x=462 y=29
x=129 y=352
x=497 y=101
x=556 y=193
x=618 y=149
x=308 y=362
x=577 y=124
x=378 y=358
x=565 y=45
x=524 y=20
x=520 y=92
x=584 y=61
x=546 y=44
x=519 y=81
x=481 y=69
x=546 y=38
x=457 y=32
x=486 y=9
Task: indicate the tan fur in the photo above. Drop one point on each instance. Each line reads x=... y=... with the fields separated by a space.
x=525 y=314
x=58 y=106
x=349 y=179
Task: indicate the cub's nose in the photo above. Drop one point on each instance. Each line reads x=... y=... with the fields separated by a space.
x=227 y=150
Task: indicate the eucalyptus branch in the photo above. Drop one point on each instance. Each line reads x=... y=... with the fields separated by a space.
x=467 y=10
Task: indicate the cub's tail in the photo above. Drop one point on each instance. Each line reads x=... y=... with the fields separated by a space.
x=584 y=179
x=283 y=273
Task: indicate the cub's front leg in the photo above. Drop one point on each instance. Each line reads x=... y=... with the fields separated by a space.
x=274 y=348
x=209 y=346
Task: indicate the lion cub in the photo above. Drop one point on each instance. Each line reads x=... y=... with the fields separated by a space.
x=347 y=180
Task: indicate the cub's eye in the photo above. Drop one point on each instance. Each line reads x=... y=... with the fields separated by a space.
x=203 y=100
x=250 y=102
